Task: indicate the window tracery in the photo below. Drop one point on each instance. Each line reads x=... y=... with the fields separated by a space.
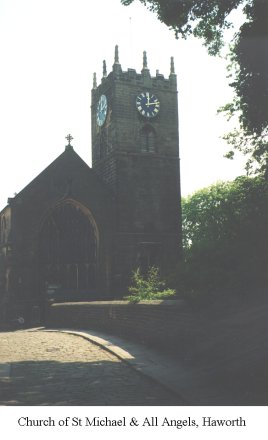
x=68 y=249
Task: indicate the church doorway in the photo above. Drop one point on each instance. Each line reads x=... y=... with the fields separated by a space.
x=68 y=252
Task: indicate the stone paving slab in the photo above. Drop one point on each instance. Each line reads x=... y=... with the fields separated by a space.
x=210 y=383
x=194 y=385
x=148 y=362
x=56 y=368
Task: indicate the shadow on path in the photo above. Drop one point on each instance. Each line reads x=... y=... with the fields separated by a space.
x=80 y=383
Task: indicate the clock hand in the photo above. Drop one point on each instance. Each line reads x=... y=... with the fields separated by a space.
x=152 y=103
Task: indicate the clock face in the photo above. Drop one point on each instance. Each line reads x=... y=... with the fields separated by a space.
x=147 y=104
x=102 y=108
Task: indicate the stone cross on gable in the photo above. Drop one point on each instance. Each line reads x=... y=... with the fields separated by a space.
x=69 y=139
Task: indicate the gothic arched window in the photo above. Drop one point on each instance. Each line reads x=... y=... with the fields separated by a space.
x=148 y=139
x=68 y=247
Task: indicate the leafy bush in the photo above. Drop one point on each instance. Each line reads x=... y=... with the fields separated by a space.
x=148 y=287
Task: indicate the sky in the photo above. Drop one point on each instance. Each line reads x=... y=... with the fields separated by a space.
x=49 y=50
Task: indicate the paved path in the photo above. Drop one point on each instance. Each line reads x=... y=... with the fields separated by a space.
x=54 y=368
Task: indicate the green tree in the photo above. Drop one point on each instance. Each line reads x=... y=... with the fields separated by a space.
x=248 y=69
x=225 y=237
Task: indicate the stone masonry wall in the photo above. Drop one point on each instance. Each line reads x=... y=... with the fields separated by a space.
x=167 y=325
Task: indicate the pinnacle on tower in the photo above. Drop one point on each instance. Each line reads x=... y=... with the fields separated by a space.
x=145 y=65
x=145 y=71
x=117 y=66
x=116 y=55
x=94 y=80
x=172 y=76
x=172 y=67
x=104 y=69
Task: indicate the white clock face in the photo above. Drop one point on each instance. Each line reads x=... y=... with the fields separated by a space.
x=102 y=108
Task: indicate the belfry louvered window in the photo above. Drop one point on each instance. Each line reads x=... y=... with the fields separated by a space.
x=148 y=139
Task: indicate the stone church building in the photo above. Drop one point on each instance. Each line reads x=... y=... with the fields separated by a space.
x=83 y=230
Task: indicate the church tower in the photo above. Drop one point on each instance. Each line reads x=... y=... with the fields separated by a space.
x=135 y=150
